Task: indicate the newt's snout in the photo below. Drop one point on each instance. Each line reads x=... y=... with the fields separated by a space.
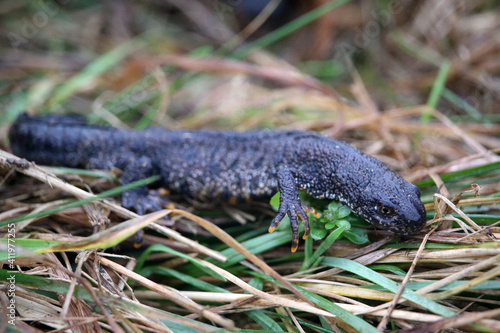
x=412 y=218
x=394 y=206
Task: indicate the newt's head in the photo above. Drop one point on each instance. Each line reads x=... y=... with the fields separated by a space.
x=363 y=183
x=393 y=204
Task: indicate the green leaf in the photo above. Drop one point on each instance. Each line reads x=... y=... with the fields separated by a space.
x=342 y=212
x=318 y=234
x=333 y=206
x=344 y=224
x=327 y=217
x=275 y=201
x=356 y=235
x=330 y=225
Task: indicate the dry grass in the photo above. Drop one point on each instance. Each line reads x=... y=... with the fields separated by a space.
x=414 y=84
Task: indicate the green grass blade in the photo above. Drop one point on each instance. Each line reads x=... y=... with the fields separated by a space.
x=264 y=321
x=43 y=283
x=290 y=27
x=162 y=248
x=18 y=102
x=459 y=102
x=416 y=285
x=325 y=245
x=386 y=283
x=82 y=172
x=390 y=268
x=201 y=285
x=257 y=245
x=437 y=90
x=93 y=70
x=463 y=174
x=23 y=247
x=354 y=321
x=82 y=202
x=38 y=283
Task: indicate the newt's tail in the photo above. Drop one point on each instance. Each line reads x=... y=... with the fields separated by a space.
x=52 y=140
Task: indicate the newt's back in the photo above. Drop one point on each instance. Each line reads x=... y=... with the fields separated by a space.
x=71 y=141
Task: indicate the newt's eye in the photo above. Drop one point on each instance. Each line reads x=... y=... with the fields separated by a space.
x=385 y=210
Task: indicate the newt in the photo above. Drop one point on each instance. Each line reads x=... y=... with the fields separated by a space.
x=227 y=166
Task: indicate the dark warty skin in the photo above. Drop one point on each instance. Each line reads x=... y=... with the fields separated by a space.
x=228 y=166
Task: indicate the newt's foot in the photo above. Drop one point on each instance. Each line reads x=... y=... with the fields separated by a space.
x=293 y=209
x=151 y=202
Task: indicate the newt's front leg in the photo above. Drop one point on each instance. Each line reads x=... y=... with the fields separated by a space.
x=290 y=204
